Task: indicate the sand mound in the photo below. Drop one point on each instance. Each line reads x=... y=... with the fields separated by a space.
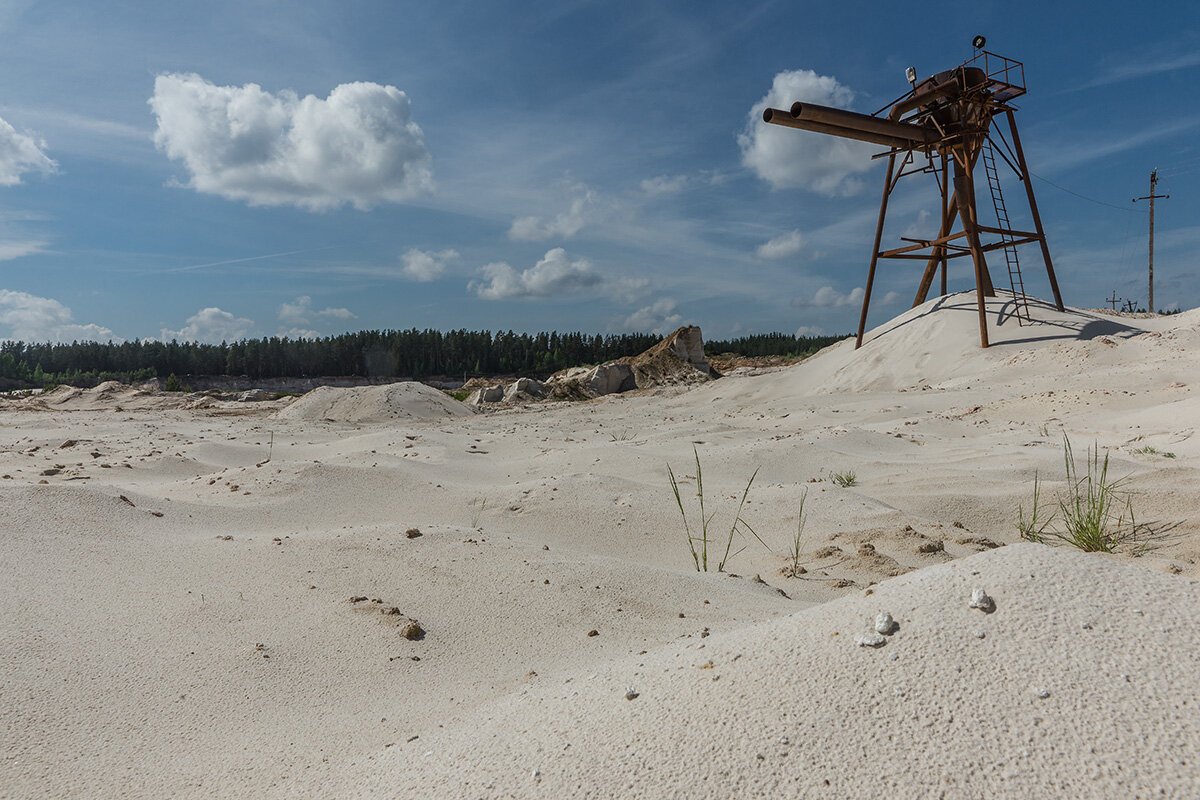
x=407 y=401
x=1071 y=686
x=936 y=346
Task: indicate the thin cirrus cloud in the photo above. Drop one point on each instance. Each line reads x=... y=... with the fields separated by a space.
x=555 y=275
x=791 y=159
x=426 y=265
x=828 y=297
x=30 y=318
x=664 y=184
x=562 y=226
x=358 y=147
x=211 y=325
x=21 y=153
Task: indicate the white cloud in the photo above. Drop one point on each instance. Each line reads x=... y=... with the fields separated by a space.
x=809 y=330
x=889 y=298
x=664 y=184
x=788 y=158
x=553 y=276
x=785 y=246
x=31 y=318
x=19 y=154
x=660 y=317
x=564 y=225
x=426 y=265
x=358 y=146
x=829 y=297
x=296 y=316
x=298 y=333
x=211 y=325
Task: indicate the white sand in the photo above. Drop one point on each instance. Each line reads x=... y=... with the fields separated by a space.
x=129 y=649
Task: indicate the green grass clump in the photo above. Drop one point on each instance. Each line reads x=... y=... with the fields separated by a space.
x=698 y=541
x=844 y=479
x=1150 y=450
x=794 y=567
x=1095 y=511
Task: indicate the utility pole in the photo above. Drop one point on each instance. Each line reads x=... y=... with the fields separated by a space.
x=1151 y=197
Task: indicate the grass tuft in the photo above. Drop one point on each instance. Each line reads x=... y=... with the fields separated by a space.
x=844 y=479
x=1150 y=450
x=698 y=541
x=794 y=569
x=1096 y=512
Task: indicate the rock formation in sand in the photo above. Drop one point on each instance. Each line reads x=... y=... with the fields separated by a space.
x=677 y=360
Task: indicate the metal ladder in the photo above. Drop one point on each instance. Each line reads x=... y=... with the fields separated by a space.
x=1015 y=281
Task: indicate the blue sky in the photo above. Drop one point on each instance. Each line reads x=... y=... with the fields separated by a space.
x=219 y=170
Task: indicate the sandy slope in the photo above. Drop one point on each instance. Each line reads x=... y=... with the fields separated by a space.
x=130 y=658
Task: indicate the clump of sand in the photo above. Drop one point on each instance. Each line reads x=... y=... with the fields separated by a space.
x=394 y=401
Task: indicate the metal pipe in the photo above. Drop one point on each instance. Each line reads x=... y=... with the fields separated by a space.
x=862 y=122
x=776 y=116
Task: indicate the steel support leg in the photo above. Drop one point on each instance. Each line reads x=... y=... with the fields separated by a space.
x=887 y=190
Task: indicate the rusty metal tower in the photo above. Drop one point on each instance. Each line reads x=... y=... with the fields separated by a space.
x=943 y=126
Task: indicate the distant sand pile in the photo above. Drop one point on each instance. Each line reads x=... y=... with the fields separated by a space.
x=393 y=401
x=1070 y=684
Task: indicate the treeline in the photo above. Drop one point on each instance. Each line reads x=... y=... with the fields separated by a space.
x=771 y=344
x=409 y=353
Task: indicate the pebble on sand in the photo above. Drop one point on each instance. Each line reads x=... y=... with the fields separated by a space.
x=981 y=600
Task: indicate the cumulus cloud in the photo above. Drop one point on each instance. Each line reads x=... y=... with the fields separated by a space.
x=211 y=325
x=343 y=314
x=809 y=330
x=295 y=318
x=19 y=154
x=660 y=317
x=555 y=275
x=358 y=146
x=785 y=246
x=788 y=158
x=426 y=265
x=31 y=318
x=828 y=297
x=564 y=225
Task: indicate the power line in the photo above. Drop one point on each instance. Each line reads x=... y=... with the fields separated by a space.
x=1085 y=197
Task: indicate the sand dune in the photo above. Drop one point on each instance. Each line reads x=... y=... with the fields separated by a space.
x=178 y=580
